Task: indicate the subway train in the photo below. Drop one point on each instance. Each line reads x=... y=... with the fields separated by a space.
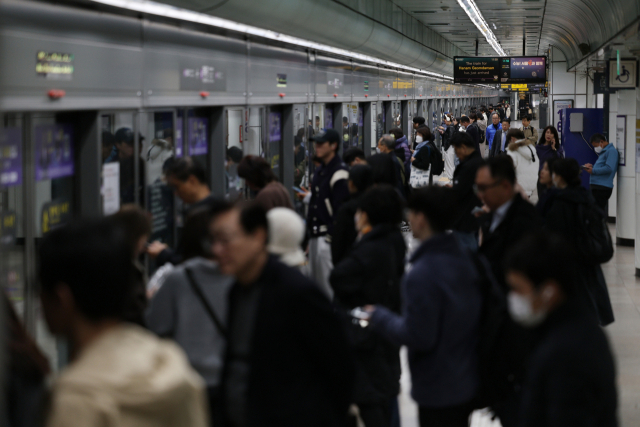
x=72 y=77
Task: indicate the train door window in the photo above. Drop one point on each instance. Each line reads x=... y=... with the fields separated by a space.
x=376 y=126
x=303 y=130
x=350 y=126
x=12 y=232
x=238 y=145
x=359 y=134
x=118 y=139
x=274 y=140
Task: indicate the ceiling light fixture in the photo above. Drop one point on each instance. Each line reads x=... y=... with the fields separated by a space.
x=494 y=26
x=158 y=9
x=469 y=6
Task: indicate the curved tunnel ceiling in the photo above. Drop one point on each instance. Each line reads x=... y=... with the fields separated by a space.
x=334 y=24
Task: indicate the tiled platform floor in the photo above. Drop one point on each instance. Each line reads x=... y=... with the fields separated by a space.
x=624 y=333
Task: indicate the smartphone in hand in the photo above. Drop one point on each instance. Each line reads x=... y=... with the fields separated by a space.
x=297 y=190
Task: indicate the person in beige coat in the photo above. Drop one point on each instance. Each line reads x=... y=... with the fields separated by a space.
x=530 y=132
x=119 y=374
x=525 y=160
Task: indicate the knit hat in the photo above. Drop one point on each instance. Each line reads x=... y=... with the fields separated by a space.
x=286 y=233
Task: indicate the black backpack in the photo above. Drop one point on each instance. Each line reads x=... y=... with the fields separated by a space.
x=501 y=345
x=594 y=240
x=435 y=159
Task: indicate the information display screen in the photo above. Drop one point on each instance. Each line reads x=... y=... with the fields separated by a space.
x=504 y=70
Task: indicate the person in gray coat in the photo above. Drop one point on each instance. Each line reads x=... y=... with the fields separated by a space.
x=191 y=305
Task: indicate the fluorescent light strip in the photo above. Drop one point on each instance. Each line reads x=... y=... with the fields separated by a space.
x=168 y=11
x=469 y=6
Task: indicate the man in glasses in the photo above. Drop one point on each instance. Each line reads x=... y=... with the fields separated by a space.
x=510 y=218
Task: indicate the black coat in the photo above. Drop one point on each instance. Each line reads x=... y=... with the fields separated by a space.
x=371 y=275
x=474 y=131
x=571 y=379
x=301 y=367
x=563 y=218
x=521 y=218
x=344 y=229
x=447 y=136
x=463 y=179
x=497 y=144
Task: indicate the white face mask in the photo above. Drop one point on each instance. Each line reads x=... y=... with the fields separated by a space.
x=418 y=138
x=598 y=150
x=521 y=311
x=378 y=150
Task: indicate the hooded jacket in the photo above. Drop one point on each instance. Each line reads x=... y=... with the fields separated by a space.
x=129 y=378
x=403 y=144
x=526 y=162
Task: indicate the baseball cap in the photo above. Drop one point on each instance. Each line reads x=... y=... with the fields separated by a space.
x=329 y=135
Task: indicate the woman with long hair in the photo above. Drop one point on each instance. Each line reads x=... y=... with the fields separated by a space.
x=548 y=147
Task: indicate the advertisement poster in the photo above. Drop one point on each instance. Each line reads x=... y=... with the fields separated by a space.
x=197 y=136
x=53 y=151
x=275 y=120
x=10 y=157
x=621 y=138
x=110 y=188
x=530 y=68
x=179 y=143
x=55 y=214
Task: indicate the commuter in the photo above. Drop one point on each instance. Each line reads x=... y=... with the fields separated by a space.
x=287 y=359
x=523 y=153
x=286 y=235
x=317 y=129
x=124 y=142
x=119 y=373
x=567 y=217
x=474 y=131
x=188 y=180
x=190 y=306
x=490 y=112
x=482 y=126
x=344 y=230
x=402 y=149
x=260 y=178
x=384 y=170
x=24 y=372
x=603 y=172
x=233 y=156
x=421 y=160
x=109 y=150
x=507 y=112
x=465 y=200
x=510 y=216
x=500 y=139
x=366 y=276
x=449 y=152
x=441 y=311
x=548 y=147
x=418 y=122
x=136 y=223
x=501 y=112
x=355 y=156
x=379 y=127
x=387 y=145
x=492 y=129
x=545 y=181
x=310 y=130
x=447 y=133
x=345 y=130
x=530 y=132
x=329 y=190
x=571 y=378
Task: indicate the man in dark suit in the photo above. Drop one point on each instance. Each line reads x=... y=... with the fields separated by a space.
x=500 y=142
x=469 y=123
x=510 y=218
x=501 y=112
x=287 y=360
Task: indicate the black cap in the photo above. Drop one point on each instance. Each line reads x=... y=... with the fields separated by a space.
x=127 y=136
x=329 y=135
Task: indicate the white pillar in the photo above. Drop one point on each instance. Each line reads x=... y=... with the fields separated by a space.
x=626 y=211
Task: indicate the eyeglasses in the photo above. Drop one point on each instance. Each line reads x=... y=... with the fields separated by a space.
x=483 y=188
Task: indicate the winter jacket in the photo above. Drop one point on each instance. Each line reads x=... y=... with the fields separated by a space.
x=128 y=377
x=491 y=131
x=571 y=379
x=368 y=275
x=496 y=149
x=530 y=134
x=563 y=217
x=465 y=198
x=474 y=131
x=344 y=230
x=439 y=323
x=606 y=167
x=176 y=312
x=526 y=162
x=446 y=137
x=547 y=152
x=403 y=144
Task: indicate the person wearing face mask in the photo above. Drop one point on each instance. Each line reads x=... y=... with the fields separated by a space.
x=566 y=218
x=368 y=275
x=571 y=377
x=421 y=160
x=603 y=172
x=440 y=315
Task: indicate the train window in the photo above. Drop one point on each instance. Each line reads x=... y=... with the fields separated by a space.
x=12 y=237
x=274 y=140
x=376 y=125
x=303 y=130
x=239 y=144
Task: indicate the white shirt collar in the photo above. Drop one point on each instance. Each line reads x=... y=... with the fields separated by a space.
x=499 y=215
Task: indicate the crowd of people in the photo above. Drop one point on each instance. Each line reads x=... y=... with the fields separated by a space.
x=259 y=317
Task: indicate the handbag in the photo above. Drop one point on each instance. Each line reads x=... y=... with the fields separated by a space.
x=419 y=177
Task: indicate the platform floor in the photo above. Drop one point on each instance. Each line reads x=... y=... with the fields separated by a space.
x=624 y=333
